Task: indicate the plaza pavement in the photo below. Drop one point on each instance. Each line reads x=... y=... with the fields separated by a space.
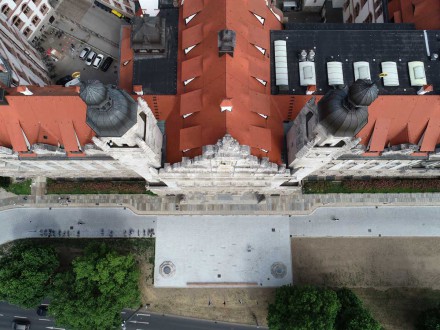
x=223 y=251
x=239 y=242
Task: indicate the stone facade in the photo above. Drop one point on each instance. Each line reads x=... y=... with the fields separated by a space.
x=226 y=167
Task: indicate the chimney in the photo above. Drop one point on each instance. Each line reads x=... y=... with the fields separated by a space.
x=24 y=90
x=226 y=42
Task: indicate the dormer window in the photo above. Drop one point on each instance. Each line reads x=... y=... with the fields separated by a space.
x=259 y=18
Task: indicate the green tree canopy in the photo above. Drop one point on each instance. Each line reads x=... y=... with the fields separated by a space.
x=92 y=295
x=352 y=315
x=303 y=308
x=25 y=273
x=429 y=319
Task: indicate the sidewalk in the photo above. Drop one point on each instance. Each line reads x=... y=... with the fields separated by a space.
x=297 y=204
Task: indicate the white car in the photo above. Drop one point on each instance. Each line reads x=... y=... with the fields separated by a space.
x=84 y=53
x=98 y=61
x=90 y=58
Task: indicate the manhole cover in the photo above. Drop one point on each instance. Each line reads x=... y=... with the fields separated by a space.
x=167 y=269
x=278 y=270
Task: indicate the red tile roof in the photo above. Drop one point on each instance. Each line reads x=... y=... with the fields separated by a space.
x=425 y=14
x=127 y=54
x=53 y=115
x=225 y=79
x=401 y=119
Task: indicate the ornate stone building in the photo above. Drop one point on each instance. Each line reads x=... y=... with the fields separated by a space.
x=215 y=97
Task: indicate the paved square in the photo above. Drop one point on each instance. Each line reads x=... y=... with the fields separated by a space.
x=203 y=251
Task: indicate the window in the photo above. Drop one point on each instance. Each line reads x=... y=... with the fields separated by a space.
x=27 y=32
x=356 y=10
x=25 y=9
x=43 y=9
x=5 y=9
x=350 y=19
x=35 y=20
x=346 y=4
x=363 y=2
x=378 y=13
x=369 y=18
x=17 y=21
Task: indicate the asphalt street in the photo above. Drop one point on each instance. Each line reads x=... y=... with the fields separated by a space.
x=142 y=320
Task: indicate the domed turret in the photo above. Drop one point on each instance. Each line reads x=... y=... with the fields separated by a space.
x=93 y=93
x=344 y=112
x=111 y=112
x=363 y=92
x=338 y=117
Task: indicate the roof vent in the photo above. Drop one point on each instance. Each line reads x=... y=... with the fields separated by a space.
x=226 y=42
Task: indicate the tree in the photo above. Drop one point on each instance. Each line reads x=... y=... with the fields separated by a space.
x=429 y=319
x=352 y=315
x=303 y=308
x=92 y=295
x=25 y=274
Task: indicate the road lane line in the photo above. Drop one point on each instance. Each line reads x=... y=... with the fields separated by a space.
x=45 y=320
x=139 y=322
x=143 y=314
x=20 y=317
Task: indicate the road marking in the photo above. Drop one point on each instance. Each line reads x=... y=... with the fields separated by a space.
x=143 y=314
x=123 y=312
x=139 y=322
x=1 y=314
x=20 y=317
x=53 y=328
x=45 y=320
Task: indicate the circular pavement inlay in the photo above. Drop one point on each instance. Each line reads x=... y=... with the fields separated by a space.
x=278 y=270
x=167 y=269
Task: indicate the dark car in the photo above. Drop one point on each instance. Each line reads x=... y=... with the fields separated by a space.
x=42 y=310
x=64 y=80
x=21 y=324
x=106 y=64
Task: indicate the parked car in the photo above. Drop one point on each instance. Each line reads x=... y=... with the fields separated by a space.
x=98 y=61
x=21 y=324
x=90 y=58
x=64 y=80
x=106 y=64
x=84 y=53
x=42 y=310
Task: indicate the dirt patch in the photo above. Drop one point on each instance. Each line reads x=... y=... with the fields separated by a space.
x=398 y=308
x=377 y=269
x=228 y=305
x=380 y=262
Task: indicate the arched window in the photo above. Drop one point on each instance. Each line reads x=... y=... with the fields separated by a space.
x=5 y=9
x=356 y=10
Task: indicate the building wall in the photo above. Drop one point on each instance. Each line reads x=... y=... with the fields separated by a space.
x=425 y=14
x=125 y=7
x=313 y=5
x=28 y=16
x=26 y=63
x=363 y=11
